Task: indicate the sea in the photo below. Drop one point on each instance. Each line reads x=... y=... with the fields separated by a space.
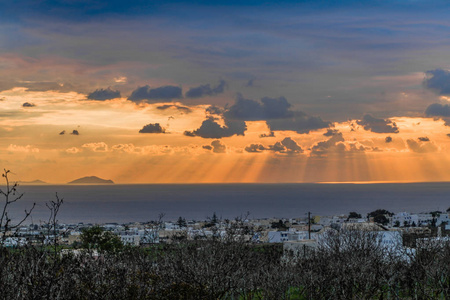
x=119 y=203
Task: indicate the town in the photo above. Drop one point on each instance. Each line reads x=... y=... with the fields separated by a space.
x=393 y=229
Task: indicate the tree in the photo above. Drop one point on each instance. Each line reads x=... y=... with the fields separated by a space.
x=379 y=216
x=354 y=215
x=181 y=222
x=10 y=195
x=280 y=225
x=213 y=221
x=97 y=238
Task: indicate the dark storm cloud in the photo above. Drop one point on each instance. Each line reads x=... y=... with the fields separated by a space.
x=370 y=123
x=277 y=114
x=104 y=94
x=251 y=110
x=214 y=110
x=212 y=130
x=300 y=122
x=179 y=107
x=207 y=147
x=206 y=90
x=388 y=139
x=28 y=104
x=218 y=147
x=75 y=132
x=421 y=147
x=62 y=132
x=152 y=128
x=438 y=110
x=161 y=93
x=424 y=139
x=438 y=80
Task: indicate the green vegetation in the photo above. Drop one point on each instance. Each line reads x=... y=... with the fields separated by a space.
x=97 y=238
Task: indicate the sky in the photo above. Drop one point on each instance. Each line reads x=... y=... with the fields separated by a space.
x=225 y=91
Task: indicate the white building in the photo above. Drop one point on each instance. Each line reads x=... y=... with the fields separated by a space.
x=403 y=218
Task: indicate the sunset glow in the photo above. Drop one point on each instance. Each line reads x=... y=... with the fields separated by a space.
x=264 y=95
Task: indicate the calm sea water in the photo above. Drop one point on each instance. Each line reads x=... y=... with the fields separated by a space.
x=128 y=203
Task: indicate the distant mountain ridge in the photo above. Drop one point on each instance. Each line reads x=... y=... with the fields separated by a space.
x=37 y=181
x=91 y=180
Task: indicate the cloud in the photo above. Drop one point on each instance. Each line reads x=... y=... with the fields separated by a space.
x=212 y=130
x=28 y=104
x=438 y=110
x=214 y=110
x=152 y=128
x=207 y=147
x=291 y=145
x=255 y=148
x=277 y=114
x=300 y=122
x=43 y=86
x=286 y=145
x=277 y=147
x=251 y=110
x=179 y=107
x=333 y=144
x=331 y=132
x=421 y=147
x=25 y=149
x=388 y=139
x=161 y=93
x=264 y=135
x=62 y=132
x=75 y=132
x=73 y=150
x=206 y=90
x=438 y=80
x=104 y=94
x=218 y=147
x=370 y=123
x=96 y=147
x=423 y=139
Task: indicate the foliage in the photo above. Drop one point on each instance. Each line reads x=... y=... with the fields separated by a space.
x=354 y=215
x=97 y=238
x=345 y=265
x=181 y=222
x=280 y=225
x=379 y=216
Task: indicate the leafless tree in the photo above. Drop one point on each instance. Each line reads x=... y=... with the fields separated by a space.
x=11 y=195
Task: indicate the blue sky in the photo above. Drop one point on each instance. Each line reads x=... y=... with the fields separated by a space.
x=321 y=55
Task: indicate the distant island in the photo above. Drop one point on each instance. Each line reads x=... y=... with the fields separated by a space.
x=91 y=180
x=37 y=181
